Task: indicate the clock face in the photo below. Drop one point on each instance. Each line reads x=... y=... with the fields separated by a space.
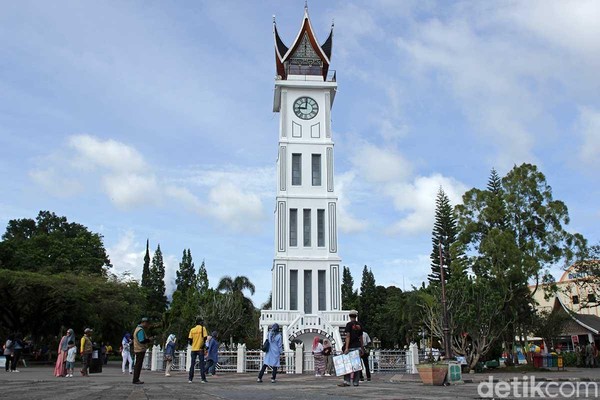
x=306 y=107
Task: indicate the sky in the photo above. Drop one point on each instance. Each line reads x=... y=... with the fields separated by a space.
x=153 y=120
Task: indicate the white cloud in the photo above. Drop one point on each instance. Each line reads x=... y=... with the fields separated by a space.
x=347 y=223
x=417 y=199
x=107 y=154
x=379 y=164
x=589 y=125
x=127 y=258
x=233 y=196
x=240 y=210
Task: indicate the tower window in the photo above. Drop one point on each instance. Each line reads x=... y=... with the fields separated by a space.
x=591 y=298
x=575 y=299
x=296 y=169
x=293 y=227
x=293 y=289
x=321 y=228
x=307 y=227
x=316 y=170
x=308 y=292
x=321 y=289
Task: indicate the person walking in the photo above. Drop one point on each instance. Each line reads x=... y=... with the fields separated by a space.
x=212 y=357
x=140 y=345
x=365 y=356
x=86 y=350
x=61 y=359
x=354 y=339
x=169 y=353
x=197 y=338
x=328 y=356
x=71 y=354
x=317 y=351
x=126 y=352
x=272 y=356
x=17 y=350
x=8 y=351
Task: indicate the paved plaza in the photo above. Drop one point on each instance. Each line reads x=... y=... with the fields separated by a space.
x=38 y=383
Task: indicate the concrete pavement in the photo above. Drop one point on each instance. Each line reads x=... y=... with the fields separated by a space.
x=38 y=383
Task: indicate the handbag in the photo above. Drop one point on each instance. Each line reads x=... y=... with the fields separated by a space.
x=168 y=357
x=266 y=345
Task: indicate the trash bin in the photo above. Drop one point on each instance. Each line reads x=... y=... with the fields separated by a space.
x=537 y=361
x=96 y=364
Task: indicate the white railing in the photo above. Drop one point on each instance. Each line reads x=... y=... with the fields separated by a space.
x=292 y=362
x=228 y=360
x=269 y=317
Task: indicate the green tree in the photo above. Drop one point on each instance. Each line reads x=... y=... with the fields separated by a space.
x=515 y=231
x=349 y=294
x=52 y=245
x=203 y=279
x=368 y=301
x=186 y=275
x=444 y=233
x=146 y=282
x=156 y=295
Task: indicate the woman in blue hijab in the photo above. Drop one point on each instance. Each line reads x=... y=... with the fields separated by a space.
x=273 y=355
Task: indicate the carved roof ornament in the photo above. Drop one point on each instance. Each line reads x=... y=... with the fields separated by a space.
x=305 y=56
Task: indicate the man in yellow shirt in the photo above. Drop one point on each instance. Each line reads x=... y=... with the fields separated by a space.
x=86 y=351
x=197 y=338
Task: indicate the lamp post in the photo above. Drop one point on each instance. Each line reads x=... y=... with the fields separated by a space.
x=445 y=328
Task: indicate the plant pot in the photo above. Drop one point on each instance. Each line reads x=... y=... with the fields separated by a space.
x=432 y=374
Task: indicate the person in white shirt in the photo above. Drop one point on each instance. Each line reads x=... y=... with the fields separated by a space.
x=365 y=356
x=71 y=354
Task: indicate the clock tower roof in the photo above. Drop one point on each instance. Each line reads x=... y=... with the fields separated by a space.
x=305 y=56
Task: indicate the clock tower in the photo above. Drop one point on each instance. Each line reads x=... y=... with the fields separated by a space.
x=306 y=291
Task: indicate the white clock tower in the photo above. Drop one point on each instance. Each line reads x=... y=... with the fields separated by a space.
x=306 y=293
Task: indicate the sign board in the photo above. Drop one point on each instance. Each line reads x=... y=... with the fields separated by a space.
x=454 y=373
x=347 y=363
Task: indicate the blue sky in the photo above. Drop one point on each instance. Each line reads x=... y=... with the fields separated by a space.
x=154 y=120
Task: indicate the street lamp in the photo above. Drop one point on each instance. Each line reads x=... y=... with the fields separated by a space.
x=445 y=328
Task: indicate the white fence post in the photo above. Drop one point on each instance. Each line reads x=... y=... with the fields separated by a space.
x=299 y=358
x=412 y=359
x=154 y=359
x=241 y=358
x=188 y=358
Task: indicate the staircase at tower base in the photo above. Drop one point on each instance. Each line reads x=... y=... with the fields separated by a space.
x=297 y=326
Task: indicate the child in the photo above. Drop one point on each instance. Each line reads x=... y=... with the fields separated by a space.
x=71 y=353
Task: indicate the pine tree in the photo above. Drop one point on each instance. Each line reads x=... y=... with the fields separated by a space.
x=156 y=297
x=445 y=233
x=146 y=269
x=186 y=275
x=202 y=280
x=368 y=300
x=349 y=295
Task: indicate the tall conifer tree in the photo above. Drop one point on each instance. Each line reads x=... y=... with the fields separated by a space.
x=146 y=269
x=445 y=232
x=368 y=300
x=349 y=295
x=186 y=275
x=157 y=299
x=202 y=280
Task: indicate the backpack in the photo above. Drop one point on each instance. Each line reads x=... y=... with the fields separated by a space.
x=266 y=346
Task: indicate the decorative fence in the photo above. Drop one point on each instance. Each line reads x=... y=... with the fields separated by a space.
x=241 y=360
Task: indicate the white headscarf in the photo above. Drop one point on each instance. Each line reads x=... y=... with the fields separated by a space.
x=170 y=339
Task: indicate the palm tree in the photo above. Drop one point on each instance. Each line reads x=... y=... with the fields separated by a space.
x=237 y=286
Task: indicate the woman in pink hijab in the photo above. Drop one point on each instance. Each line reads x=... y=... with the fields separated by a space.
x=317 y=350
x=63 y=347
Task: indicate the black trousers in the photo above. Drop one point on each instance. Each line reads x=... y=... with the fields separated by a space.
x=137 y=367
x=7 y=365
x=15 y=359
x=264 y=368
x=200 y=356
x=365 y=360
